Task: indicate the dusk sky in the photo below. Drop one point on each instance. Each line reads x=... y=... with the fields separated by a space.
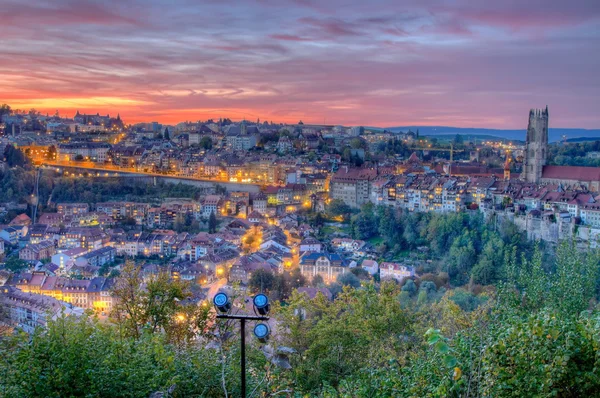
x=379 y=62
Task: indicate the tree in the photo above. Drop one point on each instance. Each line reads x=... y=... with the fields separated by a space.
x=206 y=143
x=129 y=310
x=5 y=110
x=337 y=207
x=357 y=143
x=166 y=135
x=349 y=279
x=317 y=280
x=409 y=287
x=212 y=223
x=51 y=154
x=14 y=157
x=153 y=308
x=15 y=264
x=261 y=281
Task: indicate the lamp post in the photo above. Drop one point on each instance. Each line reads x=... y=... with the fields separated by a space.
x=261 y=309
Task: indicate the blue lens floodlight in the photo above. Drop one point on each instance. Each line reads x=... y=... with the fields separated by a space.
x=222 y=302
x=261 y=304
x=262 y=331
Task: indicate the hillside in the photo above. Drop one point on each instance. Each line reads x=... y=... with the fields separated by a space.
x=555 y=134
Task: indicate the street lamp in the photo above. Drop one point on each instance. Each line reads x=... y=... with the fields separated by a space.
x=261 y=330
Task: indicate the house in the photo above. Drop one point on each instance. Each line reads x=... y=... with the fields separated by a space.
x=71 y=209
x=395 y=271
x=213 y=204
x=255 y=217
x=28 y=311
x=65 y=259
x=259 y=203
x=13 y=233
x=310 y=245
x=197 y=273
x=370 y=266
x=37 y=233
x=242 y=269
x=352 y=185
x=328 y=265
x=37 y=251
x=99 y=257
x=347 y=244
x=21 y=219
x=91 y=293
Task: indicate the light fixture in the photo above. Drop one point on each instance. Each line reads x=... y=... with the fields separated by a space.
x=222 y=302
x=261 y=304
x=262 y=331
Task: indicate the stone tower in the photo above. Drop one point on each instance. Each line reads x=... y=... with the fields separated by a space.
x=536 y=145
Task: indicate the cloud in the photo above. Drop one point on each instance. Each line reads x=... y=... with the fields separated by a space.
x=285 y=37
x=378 y=63
x=330 y=26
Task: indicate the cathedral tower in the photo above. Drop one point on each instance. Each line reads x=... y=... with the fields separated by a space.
x=536 y=145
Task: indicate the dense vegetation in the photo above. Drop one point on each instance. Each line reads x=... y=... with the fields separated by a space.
x=574 y=154
x=18 y=183
x=536 y=334
x=460 y=245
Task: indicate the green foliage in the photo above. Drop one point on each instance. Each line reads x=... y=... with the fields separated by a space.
x=546 y=355
x=206 y=143
x=93 y=190
x=348 y=279
x=337 y=207
x=212 y=223
x=14 y=157
x=82 y=358
x=574 y=154
x=15 y=264
x=336 y=339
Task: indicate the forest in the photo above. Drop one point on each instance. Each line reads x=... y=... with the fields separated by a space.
x=574 y=154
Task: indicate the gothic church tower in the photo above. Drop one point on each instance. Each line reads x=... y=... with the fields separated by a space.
x=536 y=145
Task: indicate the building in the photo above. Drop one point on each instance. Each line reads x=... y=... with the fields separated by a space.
x=395 y=271
x=328 y=265
x=352 y=185
x=99 y=257
x=37 y=251
x=28 y=311
x=71 y=209
x=91 y=293
x=92 y=151
x=536 y=145
x=310 y=245
x=12 y=234
x=535 y=169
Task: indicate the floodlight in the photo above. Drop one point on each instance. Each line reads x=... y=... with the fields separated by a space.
x=261 y=304
x=222 y=302
x=262 y=331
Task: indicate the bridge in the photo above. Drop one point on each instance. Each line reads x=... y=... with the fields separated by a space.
x=95 y=170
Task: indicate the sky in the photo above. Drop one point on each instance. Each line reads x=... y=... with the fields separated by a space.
x=462 y=63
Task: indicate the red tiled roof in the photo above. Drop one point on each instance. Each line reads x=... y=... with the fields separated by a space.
x=578 y=173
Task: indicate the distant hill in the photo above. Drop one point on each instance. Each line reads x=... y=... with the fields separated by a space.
x=553 y=136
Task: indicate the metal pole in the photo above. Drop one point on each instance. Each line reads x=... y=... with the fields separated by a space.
x=243 y=356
